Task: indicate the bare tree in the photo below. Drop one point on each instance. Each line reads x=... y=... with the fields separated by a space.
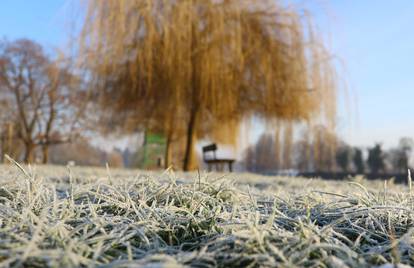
x=304 y=153
x=37 y=91
x=358 y=161
x=324 y=146
x=344 y=157
x=376 y=159
x=315 y=149
x=400 y=157
x=262 y=157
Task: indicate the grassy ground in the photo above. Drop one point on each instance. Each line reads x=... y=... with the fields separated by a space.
x=59 y=217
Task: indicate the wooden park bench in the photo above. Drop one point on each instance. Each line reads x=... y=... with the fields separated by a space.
x=210 y=158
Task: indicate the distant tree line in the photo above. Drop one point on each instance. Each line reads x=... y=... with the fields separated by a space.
x=377 y=160
x=315 y=154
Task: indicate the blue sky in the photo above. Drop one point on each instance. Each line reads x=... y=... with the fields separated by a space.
x=376 y=43
x=373 y=39
x=39 y=20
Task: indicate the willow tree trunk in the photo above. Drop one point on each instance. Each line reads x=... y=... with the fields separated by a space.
x=192 y=123
x=167 y=157
x=189 y=146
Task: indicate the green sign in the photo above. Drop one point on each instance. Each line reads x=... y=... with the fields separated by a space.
x=154 y=150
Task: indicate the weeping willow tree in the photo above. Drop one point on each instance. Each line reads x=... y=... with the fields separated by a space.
x=197 y=68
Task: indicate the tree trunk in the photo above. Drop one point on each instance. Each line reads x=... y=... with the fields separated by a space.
x=10 y=135
x=192 y=123
x=167 y=157
x=3 y=147
x=45 y=154
x=191 y=127
x=28 y=155
x=143 y=160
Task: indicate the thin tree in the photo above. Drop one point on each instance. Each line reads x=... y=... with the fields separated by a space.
x=197 y=68
x=376 y=159
x=343 y=157
x=303 y=155
x=324 y=147
x=358 y=161
x=400 y=156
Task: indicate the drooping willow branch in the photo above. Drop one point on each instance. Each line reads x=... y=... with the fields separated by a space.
x=196 y=68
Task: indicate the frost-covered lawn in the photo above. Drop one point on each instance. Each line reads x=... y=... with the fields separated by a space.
x=58 y=217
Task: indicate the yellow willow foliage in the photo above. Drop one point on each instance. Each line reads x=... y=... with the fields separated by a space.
x=196 y=68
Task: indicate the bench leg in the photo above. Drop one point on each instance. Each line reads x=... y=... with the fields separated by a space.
x=230 y=167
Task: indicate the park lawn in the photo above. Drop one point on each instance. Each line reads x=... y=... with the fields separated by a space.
x=54 y=216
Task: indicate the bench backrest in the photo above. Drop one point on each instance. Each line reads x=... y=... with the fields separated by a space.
x=209 y=148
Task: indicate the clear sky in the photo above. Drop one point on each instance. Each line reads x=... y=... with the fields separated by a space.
x=42 y=20
x=373 y=38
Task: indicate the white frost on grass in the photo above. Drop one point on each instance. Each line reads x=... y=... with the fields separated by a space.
x=54 y=217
